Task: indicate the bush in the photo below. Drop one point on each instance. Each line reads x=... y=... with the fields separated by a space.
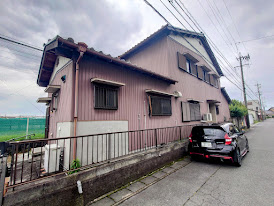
x=74 y=165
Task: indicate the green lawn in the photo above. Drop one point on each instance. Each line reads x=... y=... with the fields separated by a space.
x=5 y=137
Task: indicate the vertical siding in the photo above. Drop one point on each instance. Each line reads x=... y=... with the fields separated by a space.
x=153 y=57
x=191 y=86
x=131 y=97
x=63 y=113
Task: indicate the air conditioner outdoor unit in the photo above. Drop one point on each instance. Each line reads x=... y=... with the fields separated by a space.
x=207 y=117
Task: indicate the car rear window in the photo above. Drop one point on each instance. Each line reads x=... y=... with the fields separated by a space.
x=200 y=131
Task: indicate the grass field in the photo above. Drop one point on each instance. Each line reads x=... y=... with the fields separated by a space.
x=6 y=137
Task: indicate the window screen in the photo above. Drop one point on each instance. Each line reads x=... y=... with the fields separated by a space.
x=105 y=97
x=160 y=106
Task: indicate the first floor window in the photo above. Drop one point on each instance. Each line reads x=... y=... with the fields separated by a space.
x=160 y=105
x=105 y=97
x=191 y=111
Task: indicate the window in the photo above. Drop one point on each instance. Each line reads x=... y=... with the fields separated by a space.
x=105 y=97
x=217 y=110
x=160 y=106
x=206 y=76
x=191 y=111
x=55 y=101
x=188 y=66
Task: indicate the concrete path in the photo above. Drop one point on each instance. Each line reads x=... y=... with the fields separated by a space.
x=203 y=183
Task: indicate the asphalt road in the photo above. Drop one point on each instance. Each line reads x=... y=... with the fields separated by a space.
x=202 y=183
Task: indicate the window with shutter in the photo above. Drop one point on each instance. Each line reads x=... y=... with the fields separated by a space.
x=160 y=105
x=105 y=97
x=200 y=73
x=181 y=61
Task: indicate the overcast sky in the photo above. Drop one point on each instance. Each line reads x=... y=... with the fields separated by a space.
x=115 y=26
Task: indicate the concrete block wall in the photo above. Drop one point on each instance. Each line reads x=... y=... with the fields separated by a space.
x=62 y=190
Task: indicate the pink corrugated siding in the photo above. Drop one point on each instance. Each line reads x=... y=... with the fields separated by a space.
x=162 y=57
x=64 y=110
x=153 y=57
x=131 y=97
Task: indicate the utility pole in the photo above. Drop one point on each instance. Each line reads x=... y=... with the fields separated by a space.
x=259 y=93
x=243 y=82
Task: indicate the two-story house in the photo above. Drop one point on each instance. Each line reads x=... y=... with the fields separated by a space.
x=170 y=78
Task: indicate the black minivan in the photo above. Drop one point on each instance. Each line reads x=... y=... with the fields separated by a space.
x=224 y=141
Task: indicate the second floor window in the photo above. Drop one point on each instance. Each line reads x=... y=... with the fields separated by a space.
x=188 y=66
x=105 y=97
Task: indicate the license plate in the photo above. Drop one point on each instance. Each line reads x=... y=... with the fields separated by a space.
x=206 y=144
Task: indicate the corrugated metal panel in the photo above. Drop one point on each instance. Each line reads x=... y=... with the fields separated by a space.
x=153 y=57
x=63 y=113
x=131 y=97
x=190 y=86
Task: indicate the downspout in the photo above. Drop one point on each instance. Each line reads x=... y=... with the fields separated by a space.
x=82 y=49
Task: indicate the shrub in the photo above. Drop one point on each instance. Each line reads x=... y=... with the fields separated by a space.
x=74 y=165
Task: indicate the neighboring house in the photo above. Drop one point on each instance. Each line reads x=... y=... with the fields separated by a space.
x=170 y=78
x=271 y=109
x=270 y=112
x=254 y=110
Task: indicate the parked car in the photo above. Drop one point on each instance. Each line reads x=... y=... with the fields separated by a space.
x=225 y=142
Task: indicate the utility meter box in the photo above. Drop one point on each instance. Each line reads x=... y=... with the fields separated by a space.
x=52 y=158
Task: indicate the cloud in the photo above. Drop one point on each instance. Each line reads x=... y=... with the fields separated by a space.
x=115 y=26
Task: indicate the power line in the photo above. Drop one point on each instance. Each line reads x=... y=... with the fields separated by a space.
x=19 y=43
x=210 y=41
x=263 y=37
x=21 y=95
x=215 y=15
x=185 y=38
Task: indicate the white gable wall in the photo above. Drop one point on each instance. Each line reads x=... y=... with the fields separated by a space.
x=62 y=62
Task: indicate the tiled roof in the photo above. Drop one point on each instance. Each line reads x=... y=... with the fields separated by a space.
x=165 y=30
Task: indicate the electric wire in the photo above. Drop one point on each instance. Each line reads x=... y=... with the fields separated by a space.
x=189 y=15
x=186 y=39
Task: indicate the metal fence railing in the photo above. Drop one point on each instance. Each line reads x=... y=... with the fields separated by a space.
x=34 y=159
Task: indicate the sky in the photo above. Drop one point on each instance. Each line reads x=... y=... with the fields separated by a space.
x=115 y=26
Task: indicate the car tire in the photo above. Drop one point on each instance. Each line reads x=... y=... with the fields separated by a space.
x=237 y=157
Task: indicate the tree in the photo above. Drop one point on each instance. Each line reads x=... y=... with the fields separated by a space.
x=237 y=109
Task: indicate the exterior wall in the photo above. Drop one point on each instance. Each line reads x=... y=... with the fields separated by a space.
x=197 y=44
x=254 y=109
x=133 y=105
x=62 y=61
x=65 y=102
x=190 y=86
x=153 y=57
x=132 y=99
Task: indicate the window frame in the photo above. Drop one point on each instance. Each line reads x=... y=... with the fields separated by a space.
x=159 y=97
x=189 y=111
x=105 y=88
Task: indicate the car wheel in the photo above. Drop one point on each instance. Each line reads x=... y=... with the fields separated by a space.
x=237 y=157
